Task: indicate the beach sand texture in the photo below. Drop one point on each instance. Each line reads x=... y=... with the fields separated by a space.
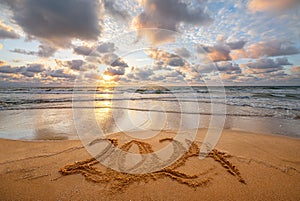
x=243 y=166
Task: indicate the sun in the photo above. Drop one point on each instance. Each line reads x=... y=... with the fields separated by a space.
x=107 y=77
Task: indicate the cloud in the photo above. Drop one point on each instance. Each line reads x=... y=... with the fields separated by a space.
x=236 y=45
x=165 y=58
x=140 y=74
x=95 y=51
x=113 y=60
x=35 y=68
x=44 y=51
x=167 y=15
x=295 y=70
x=28 y=71
x=228 y=67
x=271 y=48
x=217 y=52
x=261 y=49
x=112 y=9
x=82 y=50
x=60 y=73
x=106 y=47
x=265 y=65
x=112 y=71
x=271 y=5
x=57 y=22
x=7 y=32
x=75 y=64
x=9 y=70
x=183 y=52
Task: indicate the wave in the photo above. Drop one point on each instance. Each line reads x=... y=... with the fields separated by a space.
x=295 y=117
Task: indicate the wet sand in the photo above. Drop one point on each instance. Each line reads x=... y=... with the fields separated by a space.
x=243 y=166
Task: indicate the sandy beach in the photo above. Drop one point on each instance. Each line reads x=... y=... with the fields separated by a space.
x=243 y=166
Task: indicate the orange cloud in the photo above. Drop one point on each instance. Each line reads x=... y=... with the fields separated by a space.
x=270 y=5
x=295 y=69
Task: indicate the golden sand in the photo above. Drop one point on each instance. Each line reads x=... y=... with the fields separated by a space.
x=243 y=166
x=119 y=181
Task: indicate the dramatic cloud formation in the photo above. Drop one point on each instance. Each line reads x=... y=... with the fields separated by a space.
x=168 y=15
x=248 y=42
x=55 y=21
x=7 y=32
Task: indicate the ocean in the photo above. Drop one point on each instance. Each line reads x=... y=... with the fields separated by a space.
x=47 y=113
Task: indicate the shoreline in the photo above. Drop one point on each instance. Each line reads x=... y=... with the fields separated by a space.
x=29 y=170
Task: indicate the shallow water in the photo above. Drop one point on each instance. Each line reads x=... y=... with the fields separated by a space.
x=55 y=113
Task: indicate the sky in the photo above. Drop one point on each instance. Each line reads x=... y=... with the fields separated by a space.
x=174 y=42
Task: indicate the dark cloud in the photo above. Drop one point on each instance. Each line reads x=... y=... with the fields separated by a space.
x=168 y=14
x=75 y=64
x=35 y=68
x=228 y=67
x=9 y=70
x=7 y=32
x=266 y=66
x=176 y=61
x=164 y=58
x=60 y=73
x=44 y=51
x=183 y=52
x=95 y=51
x=113 y=60
x=57 y=21
x=112 y=9
x=82 y=50
x=112 y=71
x=106 y=47
x=271 y=48
x=268 y=63
x=217 y=52
x=283 y=61
x=21 y=51
x=236 y=45
x=28 y=71
x=140 y=74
